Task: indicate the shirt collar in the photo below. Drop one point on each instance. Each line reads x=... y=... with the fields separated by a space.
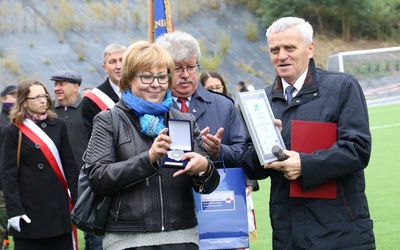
x=297 y=85
x=115 y=88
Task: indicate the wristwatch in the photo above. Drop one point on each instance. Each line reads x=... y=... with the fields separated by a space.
x=206 y=170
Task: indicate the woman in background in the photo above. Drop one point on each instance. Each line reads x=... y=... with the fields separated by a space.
x=212 y=80
x=39 y=178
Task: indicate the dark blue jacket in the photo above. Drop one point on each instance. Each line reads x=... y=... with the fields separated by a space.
x=342 y=223
x=216 y=110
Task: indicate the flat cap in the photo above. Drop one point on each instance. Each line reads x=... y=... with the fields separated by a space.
x=8 y=90
x=67 y=76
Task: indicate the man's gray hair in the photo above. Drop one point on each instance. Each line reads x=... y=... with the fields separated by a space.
x=305 y=29
x=181 y=45
x=112 y=48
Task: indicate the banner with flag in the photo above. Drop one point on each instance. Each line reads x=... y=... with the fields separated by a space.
x=162 y=18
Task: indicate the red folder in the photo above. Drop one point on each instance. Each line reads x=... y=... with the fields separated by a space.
x=307 y=137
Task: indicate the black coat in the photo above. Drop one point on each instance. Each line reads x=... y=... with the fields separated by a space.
x=90 y=109
x=4 y=121
x=34 y=188
x=342 y=223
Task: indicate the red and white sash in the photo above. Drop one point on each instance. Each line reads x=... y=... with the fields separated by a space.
x=50 y=151
x=102 y=100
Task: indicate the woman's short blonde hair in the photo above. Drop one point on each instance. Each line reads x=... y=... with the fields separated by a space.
x=143 y=56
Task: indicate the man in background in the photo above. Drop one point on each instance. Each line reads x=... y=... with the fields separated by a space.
x=100 y=98
x=8 y=98
x=107 y=94
x=67 y=105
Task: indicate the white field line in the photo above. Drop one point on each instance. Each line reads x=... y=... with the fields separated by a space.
x=383 y=110
x=386 y=126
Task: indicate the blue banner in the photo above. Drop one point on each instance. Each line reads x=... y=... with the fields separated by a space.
x=222 y=215
x=162 y=18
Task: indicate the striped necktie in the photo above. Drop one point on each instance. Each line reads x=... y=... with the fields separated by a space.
x=289 y=93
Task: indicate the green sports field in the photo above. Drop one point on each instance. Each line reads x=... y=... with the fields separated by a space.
x=382 y=180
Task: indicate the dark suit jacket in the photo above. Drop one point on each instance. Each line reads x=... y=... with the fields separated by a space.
x=90 y=109
x=216 y=110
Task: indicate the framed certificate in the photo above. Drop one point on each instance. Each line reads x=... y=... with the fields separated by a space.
x=259 y=120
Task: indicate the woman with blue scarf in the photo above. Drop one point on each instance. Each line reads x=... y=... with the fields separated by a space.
x=152 y=205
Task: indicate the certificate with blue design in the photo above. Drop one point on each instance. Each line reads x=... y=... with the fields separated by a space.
x=259 y=120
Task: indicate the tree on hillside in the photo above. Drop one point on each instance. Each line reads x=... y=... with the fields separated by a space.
x=345 y=18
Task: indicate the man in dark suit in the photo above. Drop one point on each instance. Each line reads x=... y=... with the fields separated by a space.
x=223 y=131
x=112 y=65
x=102 y=97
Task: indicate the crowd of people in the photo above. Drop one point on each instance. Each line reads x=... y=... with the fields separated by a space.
x=45 y=143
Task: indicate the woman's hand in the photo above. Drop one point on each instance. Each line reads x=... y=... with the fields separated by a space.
x=160 y=146
x=196 y=164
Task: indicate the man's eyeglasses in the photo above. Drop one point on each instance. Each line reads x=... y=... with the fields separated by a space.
x=190 y=69
x=39 y=97
x=218 y=87
x=149 y=79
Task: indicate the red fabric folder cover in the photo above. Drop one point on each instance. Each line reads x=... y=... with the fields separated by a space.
x=307 y=137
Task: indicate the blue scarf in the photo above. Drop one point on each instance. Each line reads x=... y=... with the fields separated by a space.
x=151 y=115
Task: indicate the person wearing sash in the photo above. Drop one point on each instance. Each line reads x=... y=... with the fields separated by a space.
x=152 y=205
x=39 y=173
x=106 y=94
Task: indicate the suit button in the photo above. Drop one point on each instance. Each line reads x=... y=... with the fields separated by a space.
x=37 y=146
x=40 y=166
x=43 y=125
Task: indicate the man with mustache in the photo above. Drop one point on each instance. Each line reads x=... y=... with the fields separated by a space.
x=222 y=128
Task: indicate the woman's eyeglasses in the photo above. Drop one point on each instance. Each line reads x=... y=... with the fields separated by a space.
x=149 y=79
x=39 y=97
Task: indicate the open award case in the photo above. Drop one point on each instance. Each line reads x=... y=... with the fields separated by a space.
x=259 y=120
x=180 y=132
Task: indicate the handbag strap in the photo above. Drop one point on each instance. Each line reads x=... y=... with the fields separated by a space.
x=115 y=122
